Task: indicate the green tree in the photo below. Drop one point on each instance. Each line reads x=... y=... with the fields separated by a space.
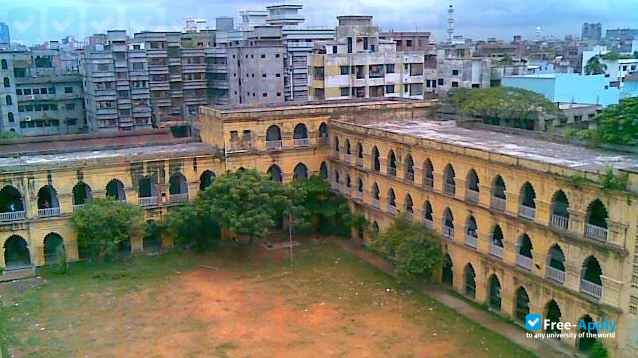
x=616 y=124
x=102 y=224
x=594 y=66
x=244 y=202
x=193 y=225
x=415 y=250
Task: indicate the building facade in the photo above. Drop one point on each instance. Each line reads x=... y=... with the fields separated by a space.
x=5 y=37
x=591 y=32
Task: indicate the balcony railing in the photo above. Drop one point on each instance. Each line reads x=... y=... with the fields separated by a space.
x=376 y=203
x=595 y=232
x=448 y=232
x=498 y=203
x=358 y=195
x=555 y=274
x=428 y=223
x=471 y=241
x=347 y=158
x=179 y=198
x=392 y=209
x=559 y=222
x=360 y=162
x=524 y=262
x=409 y=176
x=13 y=216
x=496 y=251
x=392 y=171
x=472 y=195
x=593 y=289
x=428 y=183
x=47 y=212
x=527 y=212
x=148 y=201
x=450 y=189
x=77 y=207
x=274 y=144
x=301 y=142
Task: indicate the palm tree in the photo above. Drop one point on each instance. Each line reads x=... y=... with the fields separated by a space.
x=594 y=66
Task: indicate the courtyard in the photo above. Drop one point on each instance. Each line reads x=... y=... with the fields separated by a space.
x=239 y=301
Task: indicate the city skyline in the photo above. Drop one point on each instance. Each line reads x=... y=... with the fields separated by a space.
x=32 y=23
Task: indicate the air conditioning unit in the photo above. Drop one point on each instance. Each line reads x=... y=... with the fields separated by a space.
x=27 y=118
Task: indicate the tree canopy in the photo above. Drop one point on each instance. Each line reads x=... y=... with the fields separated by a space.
x=102 y=224
x=616 y=124
x=594 y=66
x=192 y=224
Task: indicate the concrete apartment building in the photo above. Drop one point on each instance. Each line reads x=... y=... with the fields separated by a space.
x=410 y=40
x=5 y=37
x=38 y=96
x=359 y=64
x=591 y=32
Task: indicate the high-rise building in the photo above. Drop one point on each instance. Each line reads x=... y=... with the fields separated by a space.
x=5 y=38
x=591 y=32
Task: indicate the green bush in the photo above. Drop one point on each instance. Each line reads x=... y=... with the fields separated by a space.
x=191 y=225
x=598 y=350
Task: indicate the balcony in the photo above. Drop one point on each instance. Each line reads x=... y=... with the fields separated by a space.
x=448 y=232
x=392 y=209
x=409 y=176
x=376 y=204
x=471 y=241
x=428 y=183
x=559 y=222
x=472 y=195
x=524 y=262
x=498 y=203
x=555 y=274
x=301 y=142
x=392 y=171
x=148 y=201
x=274 y=144
x=360 y=162
x=48 y=212
x=428 y=223
x=13 y=216
x=450 y=189
x=179 y=198
x=496 y=251
x=592 y=289
x=527 y=212
x=595 y=232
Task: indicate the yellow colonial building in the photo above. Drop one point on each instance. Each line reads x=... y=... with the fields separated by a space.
x=525 y=226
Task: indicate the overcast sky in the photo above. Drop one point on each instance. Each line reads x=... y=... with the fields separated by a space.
x=35 y=21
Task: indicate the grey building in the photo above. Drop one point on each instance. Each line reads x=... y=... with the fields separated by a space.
x=591 y=32
x=5 y=38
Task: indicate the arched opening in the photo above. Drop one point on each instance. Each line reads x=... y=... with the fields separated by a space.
x=323 y=170
x=360 y=151
x=428 y=215
x=348 y=182
x=275 y=174
x=560 y=211
x=428 y=174
x=376 y=195
x=469 y=277
x=448 y=224
x=392 y=201
x=16 y=253
x=54 y=249
x=596 y=226
x=273 y=137
x=447 y=272
x=524 y=257
x=409 y=205
x=473 y=187
x=409 y=168
x=449 y=180
x=360 y=186
x=81 y=194
x=376 y=162
x=471 y=232
x=11 y=204
x=499 y=194
x=115 y=190
x=337 y=177
x=375 y=229
x=178 y=188
x=528 y=201
x=494 y=300
x=300 y=172
x=348 y=148
x=48 y=204
x=553 y=314
x=556 y=264
x=337 y=145
x=521 y=304
x=147 y=191
x=152 y=241
x=392 y=163
x=590 y=278
x=206 y=179
x=300 y=134
x=587 y=333
x=323 y=132
x=496 y=242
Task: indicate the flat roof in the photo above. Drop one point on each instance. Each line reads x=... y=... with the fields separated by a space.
x=565 y=155
x=102 y=157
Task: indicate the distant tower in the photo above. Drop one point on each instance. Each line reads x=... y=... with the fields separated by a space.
x=450 y=22
x=538 y=33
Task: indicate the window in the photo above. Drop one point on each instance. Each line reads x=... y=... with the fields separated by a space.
x=71 y=121
x=263 y=75
x=277 y=55
x=27 y=91
x=10 y=117
x=345 y=91
x=51 y=90
x=408 y=43
x=138 y=66
x=455 y=72
x=389 y=68
x=345 y=70
x=8 y=100
x=455 y=84
x=476 y=85
x=102 y=67
x=277 y=75
x=43 y=91
x=389 y=88
x=7 y=83
x=440 y=82
x=68 y=89
x=5 y=66
x=19 y=92
x=334 y=49
x=578 y=118
x=122 y=94
x=264 y=94
x=69 y=106
x=263 y=56
x=36 y=91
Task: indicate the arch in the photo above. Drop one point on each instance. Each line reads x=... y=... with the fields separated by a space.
x=48 y=198
x=11 y=200
x=337 y=176
x=528 y=195
x=521 y=304
x=273 y=133
x=359 y=150
x=348 y=181
x=409 y=204
x=591 y=272
x=300 y=172
x=375 y=228
x=323 y=131
x=82 y=193
x=348 y=147
x=392 y=163
x=556 y=258
x=323 y=170
x=597 y=214
x=473 y=182
x=471 y=228
x=559 y=207
x=449 y=180
x=4 y=65
x=8 y=100
x=525 y=247
x=360 y=185
x=553 y=314
x=53 y=248
x=448 y=218
x=469 y=279
x=376 y=162
x=16 y=253
x=300 y=131
x=337 y=144
x=177 y=184
x=447 y=271
x=115 y=190
x=428 y=213
x=206 y=179
x=494 y=299
x=275 y=174
x=499 y=192
x=375 y=191
x=428 y=174
x=497 y=236
x=392 y=198
x=146 y=187
x=587 y=334
x=409 y=168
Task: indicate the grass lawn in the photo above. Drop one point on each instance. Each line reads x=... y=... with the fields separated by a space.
x=240 y=302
